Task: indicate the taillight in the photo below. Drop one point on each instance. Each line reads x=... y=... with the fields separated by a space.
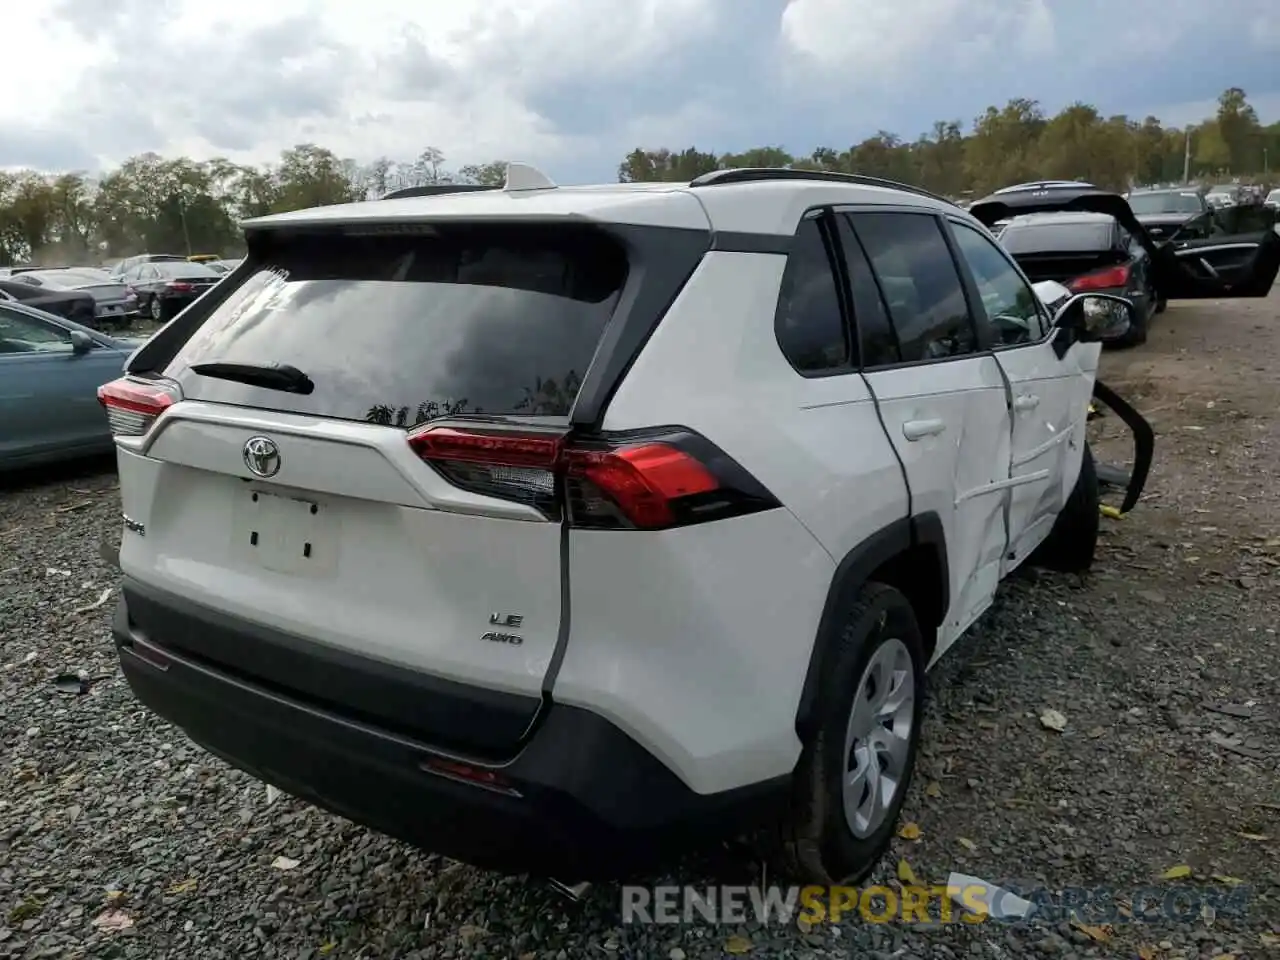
x=644 y=481
x=134 y=405
x=180 y=286
x=1102 y=279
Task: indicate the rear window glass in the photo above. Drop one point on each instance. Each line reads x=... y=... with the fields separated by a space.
x=1057 y=237
x=188 y=270
x=398 y=330
x=1156 y=203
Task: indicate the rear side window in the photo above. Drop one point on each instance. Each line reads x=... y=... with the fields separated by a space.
x=1058 y=237
x=920 y=282
x=398 y=330
x=809 y=324
x=877 y=341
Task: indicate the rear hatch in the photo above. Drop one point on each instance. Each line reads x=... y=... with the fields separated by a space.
x=352 y=541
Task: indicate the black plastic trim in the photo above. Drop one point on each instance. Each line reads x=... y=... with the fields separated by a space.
x=661 y=260
x=466 y=719
x=581 y=800
x=851 y=574
x=740 y=242
x=1144 y=442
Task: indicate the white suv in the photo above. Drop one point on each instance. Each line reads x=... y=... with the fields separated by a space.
x=542 y=526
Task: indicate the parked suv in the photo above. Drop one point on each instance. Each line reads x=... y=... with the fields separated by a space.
x=544 y=527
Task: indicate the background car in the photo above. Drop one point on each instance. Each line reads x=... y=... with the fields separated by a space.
x=165 y=287
x=1086 y=253
x=114 y=303
x=1273 y=199
x=223 y=266
x=76 y=305
x=123 y=266
x=1168 y=212
x=50 y=370
x=1223 y=195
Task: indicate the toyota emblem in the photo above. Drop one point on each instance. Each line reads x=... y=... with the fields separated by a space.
x=262 y=456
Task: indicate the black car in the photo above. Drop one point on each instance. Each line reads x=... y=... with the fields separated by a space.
x=114 y=305
x=122 y=267
x=75 y=305
x=1175 y=212
x=1086 y=253
x=1241 y=261
x=166 y=286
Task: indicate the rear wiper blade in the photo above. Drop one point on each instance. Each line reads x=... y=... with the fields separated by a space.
x=271 y=376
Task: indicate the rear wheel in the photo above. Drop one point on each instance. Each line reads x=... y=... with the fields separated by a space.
x=1073 y=541
x=854 y=773
x=157 y=310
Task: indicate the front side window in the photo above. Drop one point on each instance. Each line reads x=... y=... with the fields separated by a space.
x=1010 y=306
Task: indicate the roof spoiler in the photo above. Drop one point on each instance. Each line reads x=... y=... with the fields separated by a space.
x=520 y=178
x=435 y=189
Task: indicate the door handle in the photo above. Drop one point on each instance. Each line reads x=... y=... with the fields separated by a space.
x=1028 y=401
x=919 y=429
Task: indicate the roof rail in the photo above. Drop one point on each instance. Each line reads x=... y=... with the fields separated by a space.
x=435 y=189
x=758 y=174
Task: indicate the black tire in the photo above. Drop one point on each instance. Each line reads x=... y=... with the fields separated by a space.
x=157 y=310
x=1137 y=333
x=816 y=843
x=1073 y=541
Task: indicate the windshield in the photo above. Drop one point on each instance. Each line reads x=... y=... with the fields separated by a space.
x=1144 y=203
x=399 y=329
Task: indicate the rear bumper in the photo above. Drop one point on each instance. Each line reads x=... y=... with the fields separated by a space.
x=579 y=799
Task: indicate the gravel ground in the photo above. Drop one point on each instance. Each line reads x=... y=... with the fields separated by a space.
x=120 y=839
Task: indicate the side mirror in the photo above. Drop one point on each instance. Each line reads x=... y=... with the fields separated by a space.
x=81 y=342
x=1095 y=317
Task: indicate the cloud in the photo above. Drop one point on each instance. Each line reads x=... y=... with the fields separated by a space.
x=575 y=84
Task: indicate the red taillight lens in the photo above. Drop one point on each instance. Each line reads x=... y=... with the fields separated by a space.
x=180 y=286
x=642 y=481
x=1102 y=280
x=645 y=484
x=133 y=406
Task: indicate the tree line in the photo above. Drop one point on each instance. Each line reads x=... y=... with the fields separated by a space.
x=178 y=205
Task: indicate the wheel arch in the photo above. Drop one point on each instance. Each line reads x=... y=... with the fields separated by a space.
x=909 y=554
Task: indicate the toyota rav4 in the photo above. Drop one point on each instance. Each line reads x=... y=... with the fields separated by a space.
x=542 y=527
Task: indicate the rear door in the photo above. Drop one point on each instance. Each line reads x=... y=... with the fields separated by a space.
x=308 y=511
x=941 y=397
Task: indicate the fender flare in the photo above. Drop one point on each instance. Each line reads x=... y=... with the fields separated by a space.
x=852 y=572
